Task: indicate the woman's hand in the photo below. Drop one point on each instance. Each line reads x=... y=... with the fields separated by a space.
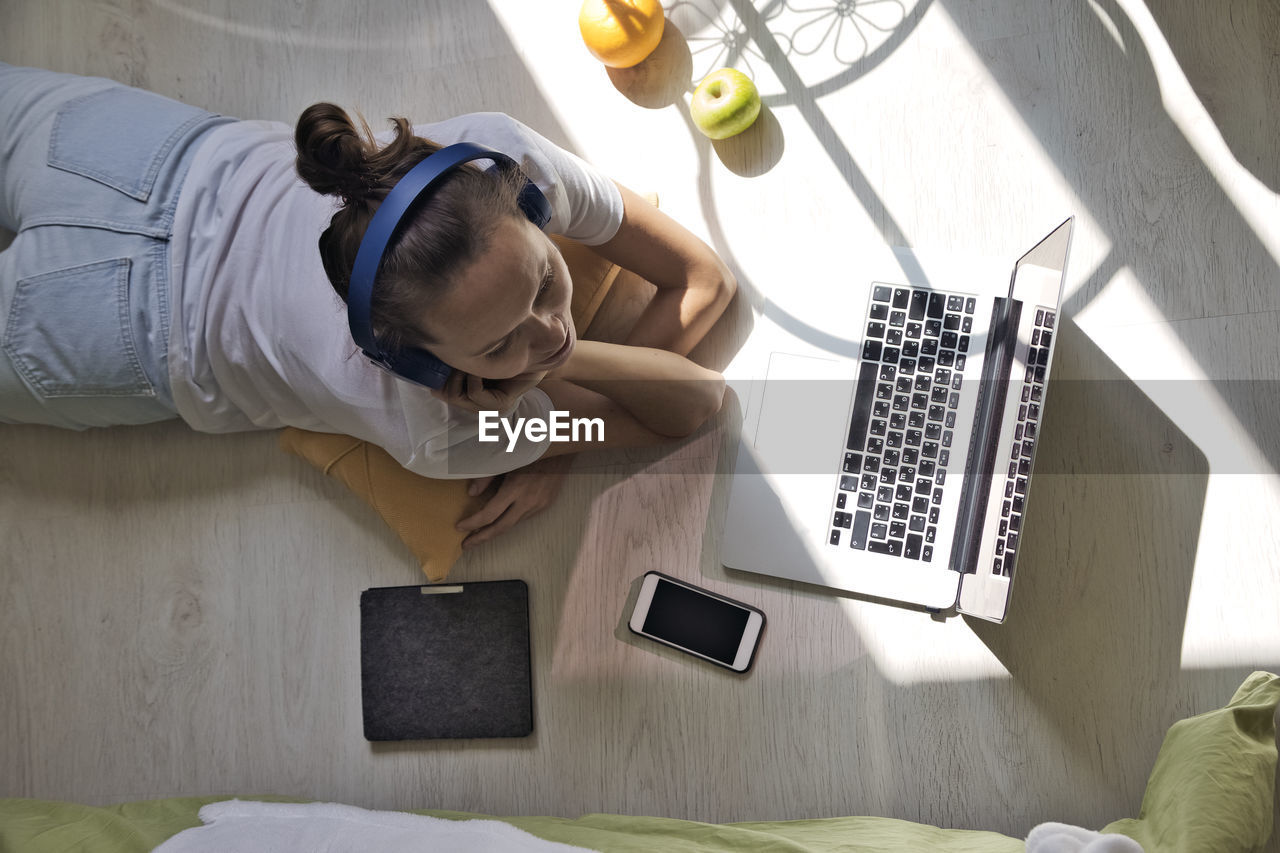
x=486 y=395
x=520 y=494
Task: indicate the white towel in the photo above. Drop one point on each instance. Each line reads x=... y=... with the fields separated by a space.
x=1061 y=838
x=238 y=826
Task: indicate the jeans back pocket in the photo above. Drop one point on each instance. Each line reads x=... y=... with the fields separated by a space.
x=69 y=333
x=120 y=137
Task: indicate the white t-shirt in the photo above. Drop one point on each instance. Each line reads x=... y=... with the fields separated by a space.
x=259 y=338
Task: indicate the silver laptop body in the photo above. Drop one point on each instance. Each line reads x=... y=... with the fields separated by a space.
x=903 y=474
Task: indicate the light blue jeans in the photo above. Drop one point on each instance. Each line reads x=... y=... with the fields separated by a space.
x=89 y=177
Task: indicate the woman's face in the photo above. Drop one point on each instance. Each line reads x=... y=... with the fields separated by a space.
x=508 y=312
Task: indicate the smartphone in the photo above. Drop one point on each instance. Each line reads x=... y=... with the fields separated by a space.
x=697 y=621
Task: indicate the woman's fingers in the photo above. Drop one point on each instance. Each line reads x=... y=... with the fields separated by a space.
x=521 y=495
x=500 y=525
x=489 y=513
x=497 y=517
x=479 y=484
x=455 y=385
x=453 y=391
x=467 y=391
x=516 y=512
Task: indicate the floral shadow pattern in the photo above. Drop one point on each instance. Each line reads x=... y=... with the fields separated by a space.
x=827 y=43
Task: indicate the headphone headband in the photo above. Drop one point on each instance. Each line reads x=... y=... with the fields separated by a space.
x=416 y=365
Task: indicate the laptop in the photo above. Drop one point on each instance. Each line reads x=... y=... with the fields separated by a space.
x=901 y=470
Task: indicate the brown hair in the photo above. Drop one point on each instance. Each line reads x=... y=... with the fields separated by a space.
x=449 y=229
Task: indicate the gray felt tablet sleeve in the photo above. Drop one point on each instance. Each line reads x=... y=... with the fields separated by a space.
x=446 y=661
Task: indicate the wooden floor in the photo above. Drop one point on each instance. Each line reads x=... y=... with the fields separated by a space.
x=180 y=610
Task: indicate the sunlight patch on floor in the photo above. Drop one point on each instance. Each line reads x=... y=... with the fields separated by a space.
x=1149 y=351
x=1257 y=204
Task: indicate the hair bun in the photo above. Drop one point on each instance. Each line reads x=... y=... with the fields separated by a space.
x=333 y=157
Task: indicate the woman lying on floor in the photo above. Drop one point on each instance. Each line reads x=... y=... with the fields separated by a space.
x=166 y=265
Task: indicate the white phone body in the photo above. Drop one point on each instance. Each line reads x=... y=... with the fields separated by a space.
x=697 y=621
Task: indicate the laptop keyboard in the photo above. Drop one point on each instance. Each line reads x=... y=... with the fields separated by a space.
x=1025 y=436
x=904 y=413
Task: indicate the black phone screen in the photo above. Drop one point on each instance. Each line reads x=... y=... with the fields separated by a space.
x=697 y=622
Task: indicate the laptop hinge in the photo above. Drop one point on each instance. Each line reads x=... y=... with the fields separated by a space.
x=981 y=459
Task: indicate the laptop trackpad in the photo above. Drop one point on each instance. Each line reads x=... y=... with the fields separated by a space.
x=804 y=411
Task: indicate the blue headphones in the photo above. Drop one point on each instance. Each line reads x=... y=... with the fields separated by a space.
x=413 y=364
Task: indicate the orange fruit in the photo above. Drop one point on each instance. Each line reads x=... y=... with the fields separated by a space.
x=621 y=33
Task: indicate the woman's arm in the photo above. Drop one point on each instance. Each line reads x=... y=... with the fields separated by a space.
x=527 y=491
x=644 y=396
x=694 y=285
x=531 y=489
x=665 y=393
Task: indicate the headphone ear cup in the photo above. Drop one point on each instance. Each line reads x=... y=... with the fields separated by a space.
x=420 y=366
x=534 y=204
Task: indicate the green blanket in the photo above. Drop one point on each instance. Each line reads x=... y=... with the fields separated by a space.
x=1212 y=789
x=1213 y=785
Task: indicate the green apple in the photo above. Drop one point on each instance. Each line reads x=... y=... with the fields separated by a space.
x=725 y=103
